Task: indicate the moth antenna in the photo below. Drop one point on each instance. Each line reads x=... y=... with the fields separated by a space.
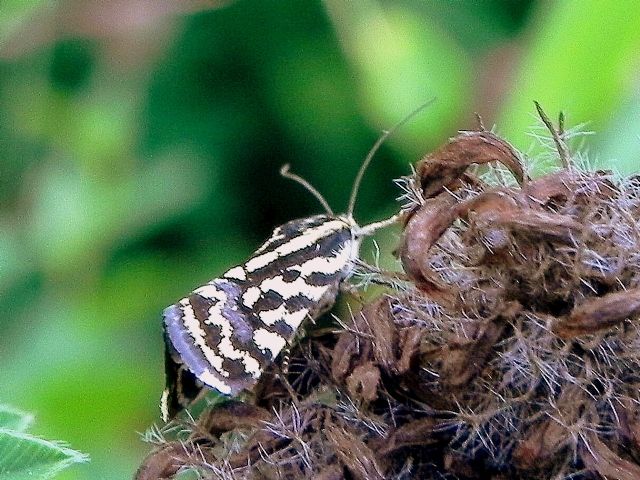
x=284 y=171
x=376 y=146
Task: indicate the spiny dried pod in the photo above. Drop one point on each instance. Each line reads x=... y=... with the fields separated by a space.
x=543 y=392
x=511 y=349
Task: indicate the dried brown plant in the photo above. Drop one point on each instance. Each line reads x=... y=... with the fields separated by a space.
x=511 y=350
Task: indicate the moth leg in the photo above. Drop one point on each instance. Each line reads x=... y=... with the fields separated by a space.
x=282 y=375
x=286 y=358
x=280 y=368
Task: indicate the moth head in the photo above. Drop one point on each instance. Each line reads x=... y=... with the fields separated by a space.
x=354 y=228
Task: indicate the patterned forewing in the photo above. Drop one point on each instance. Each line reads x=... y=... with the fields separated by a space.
x=227 y=331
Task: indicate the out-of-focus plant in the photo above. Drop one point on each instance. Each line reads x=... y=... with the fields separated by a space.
x=24 y=456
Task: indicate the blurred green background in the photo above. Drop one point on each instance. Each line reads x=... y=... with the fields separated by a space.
x=140 y=143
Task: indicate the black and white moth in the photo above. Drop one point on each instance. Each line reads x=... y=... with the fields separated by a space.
x=224 y=334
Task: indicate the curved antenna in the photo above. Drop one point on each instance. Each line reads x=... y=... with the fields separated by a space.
x=376 y=146
x=284 y=171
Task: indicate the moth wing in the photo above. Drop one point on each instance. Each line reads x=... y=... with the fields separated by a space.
x=209 y=337
x=225 y=333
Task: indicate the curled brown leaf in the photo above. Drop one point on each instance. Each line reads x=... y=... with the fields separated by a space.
x=163 y=462
x=599 y=314
x=541 y=443
x=410 y=339
x=413 y=433
x=440 y=169
x=545 y=439
x=629 y=424
x=231 y=415
x=599 y=458
x=558 y=228
x=422 y=231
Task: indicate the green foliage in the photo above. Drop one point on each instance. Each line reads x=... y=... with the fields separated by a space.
x=14 y=419
x=13 y=15
x=139 y=152
x=559 y=67
x=24 y=456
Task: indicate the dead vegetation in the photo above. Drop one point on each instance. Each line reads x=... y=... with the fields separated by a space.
x=511 y=351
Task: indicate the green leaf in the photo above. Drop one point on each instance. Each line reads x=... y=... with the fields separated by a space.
x=23 y=456
x=618 y=144
x=403 y=59
x=189 y=474
x=580 y=59
x=14 y=419
x=77 y=216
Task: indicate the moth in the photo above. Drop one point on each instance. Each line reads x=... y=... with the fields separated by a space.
x=225 y=333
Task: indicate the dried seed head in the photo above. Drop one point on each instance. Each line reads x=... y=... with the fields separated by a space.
x=512 y=349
